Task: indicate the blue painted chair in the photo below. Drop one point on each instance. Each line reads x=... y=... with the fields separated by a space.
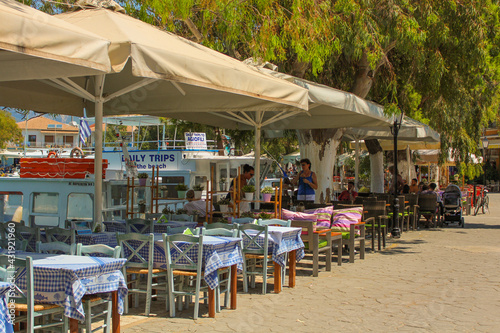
x=26 y=303
x=134 y=248
x=92 y=301
x=254 y=250
x=140 y=226
x=243 y=220
x=55 y=248
x=186 y=268
x=275 y=222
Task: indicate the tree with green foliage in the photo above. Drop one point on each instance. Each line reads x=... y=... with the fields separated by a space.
x=9 y=131
x=437 y=61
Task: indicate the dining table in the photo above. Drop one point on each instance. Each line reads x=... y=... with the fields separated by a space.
x=282 y=241
x=5 y=318
x=218 y=253
x=64 y=280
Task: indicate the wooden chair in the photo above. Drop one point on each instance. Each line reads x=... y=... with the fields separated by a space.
x=190 y=272
x=28 y=234
x=25 y=303
x=139 y=226
x=134 y=247
x=224 y=273
x=60 y=235
x=56 y=248
x=427 y=205
x=253 y=250
x=374 y=212
x=316 y=242
x=410 y=210
x=243 y=220
x=275 y=222
x=90 y=302
x=16 y=245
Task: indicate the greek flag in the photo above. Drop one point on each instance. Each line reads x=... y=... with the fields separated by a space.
x=84 y=131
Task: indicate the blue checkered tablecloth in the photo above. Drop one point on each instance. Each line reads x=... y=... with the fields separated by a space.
x=218 y=252
x=159 y=228
x=5 y=320
x=107 y=238
x=281 y=241
x=64 y=280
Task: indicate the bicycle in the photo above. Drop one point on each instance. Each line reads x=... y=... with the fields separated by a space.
x=483 y=202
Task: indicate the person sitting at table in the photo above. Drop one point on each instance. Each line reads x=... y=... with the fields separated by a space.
x=195 y=205
x=414 y=186
x=349 y=194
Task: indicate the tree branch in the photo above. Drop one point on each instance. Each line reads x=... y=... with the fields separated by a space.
x=194 y=30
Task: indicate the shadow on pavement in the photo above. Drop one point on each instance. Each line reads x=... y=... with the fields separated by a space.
x=480 y=226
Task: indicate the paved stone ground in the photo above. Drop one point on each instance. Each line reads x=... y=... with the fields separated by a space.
x=439 y=280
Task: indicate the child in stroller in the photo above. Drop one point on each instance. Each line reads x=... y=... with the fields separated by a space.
x=452 y=205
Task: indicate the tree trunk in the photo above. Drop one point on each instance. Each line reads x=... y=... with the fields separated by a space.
x=320 y=147
x=377 y=168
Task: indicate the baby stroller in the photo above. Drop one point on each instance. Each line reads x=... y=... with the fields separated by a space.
x=452 y=206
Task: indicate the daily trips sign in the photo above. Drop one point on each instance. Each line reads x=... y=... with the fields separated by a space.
x=195 y=140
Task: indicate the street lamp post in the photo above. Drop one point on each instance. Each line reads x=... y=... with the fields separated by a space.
x=485 y=143
x=396 y=231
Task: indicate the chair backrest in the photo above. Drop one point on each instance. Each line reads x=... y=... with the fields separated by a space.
x=427 y=202
x=275 y=222
x=175 y=230
x=412 y=200
x=60 y=235
x=140 y=226
x=181 y=217
x=56 y=248
x=182 y=256
x=100 y=249
x=219 y=225
x=16 y=245
x=374 y=209
x=243 y=220
x=307 y=229
x=383 y=197
x=30 y=235
x=218 y=232
x=153 y=216
x=138 y=249
x=255 y=238
x=17 y=267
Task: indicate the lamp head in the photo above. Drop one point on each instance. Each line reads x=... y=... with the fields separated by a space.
x=485 y=142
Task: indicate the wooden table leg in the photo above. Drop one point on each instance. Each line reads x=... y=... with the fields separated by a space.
x=73 y=325
x=234 y=285
x=291 y=268
x=211 y=302
x=277 y=278
x=115 y=316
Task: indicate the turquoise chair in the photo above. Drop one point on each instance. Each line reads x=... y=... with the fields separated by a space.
x=63 y=235
x=30 y=235
x=140 y=226
x=243 y=220
x=92 y=301
x=219 y=225
x=253 y=251
x=276 y=222
x=19 y=245
x=26 y=302
x=190 y=274
x=175 y=230
x=138 y=265
x=56 y=248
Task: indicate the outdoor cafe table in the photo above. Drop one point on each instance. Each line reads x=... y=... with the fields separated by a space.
x=218 y=252
x=64 y=280
x=283 y=240
x=5 y=321
x=159 y=228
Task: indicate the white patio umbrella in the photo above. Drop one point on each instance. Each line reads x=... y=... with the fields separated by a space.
x=152 y=72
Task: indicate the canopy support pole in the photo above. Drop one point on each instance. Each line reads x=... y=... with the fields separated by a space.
x=99 y=87
x=257 y=159
x=356 y=166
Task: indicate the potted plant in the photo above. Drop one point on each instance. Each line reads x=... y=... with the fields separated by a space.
x=224 y=204
x=181 y=190
x=167 y=212
x=267 y=193
x=142 y=178
x=249 y=191
x=222 y=184
x=164 y=190
x=198 y=190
